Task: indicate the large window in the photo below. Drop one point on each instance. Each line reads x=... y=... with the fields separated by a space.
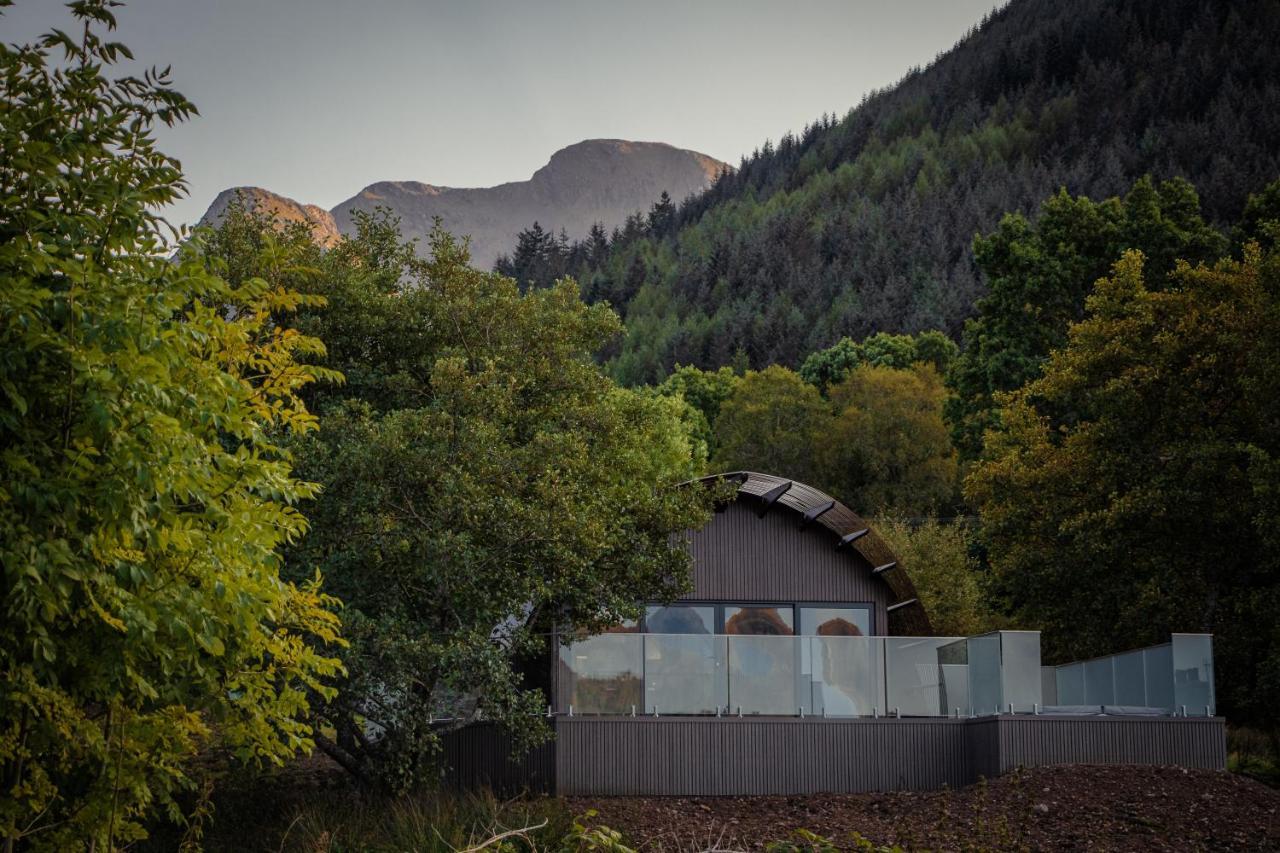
x=765 y=620
x=680 y=619
x=760 y=619
x=827 y=621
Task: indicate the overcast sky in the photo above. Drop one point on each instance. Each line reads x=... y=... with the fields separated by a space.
x=316 y=99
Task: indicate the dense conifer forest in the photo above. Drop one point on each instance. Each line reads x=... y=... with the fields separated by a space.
x=864 y=223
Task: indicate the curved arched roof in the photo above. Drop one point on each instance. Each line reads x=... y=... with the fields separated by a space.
x=907 y=616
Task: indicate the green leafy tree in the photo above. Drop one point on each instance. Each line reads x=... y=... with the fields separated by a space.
x=1132 y=491
x=484 y=484
x=145 y=492
x=705 y=392
x=769 y=424
x=946 y=572
x=887 y=448
x=830 y=366
x=1039 y=275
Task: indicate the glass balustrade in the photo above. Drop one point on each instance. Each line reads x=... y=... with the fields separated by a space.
x=857 y=676
x=1171 y=678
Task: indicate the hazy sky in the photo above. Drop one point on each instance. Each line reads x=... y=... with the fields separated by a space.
x=316 y=99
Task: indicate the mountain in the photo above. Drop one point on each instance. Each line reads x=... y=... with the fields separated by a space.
x=285 y=210
x=599 y=180
x=864 y=223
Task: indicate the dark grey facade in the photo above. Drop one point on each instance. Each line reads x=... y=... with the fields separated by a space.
x=740 y=556
x=698 y=756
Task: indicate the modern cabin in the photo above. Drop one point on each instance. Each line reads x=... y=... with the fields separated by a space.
x=802 y=661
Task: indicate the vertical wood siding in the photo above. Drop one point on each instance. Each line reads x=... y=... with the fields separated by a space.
x=740 y=557
x=1186 y=742
x=693 y=756
x=710 y=757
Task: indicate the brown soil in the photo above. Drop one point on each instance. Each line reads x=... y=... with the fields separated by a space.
x=1093 y=808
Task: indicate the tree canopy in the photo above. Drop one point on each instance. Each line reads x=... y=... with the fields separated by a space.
x=484 y=485
x=831 y=365
x=1040 y=273
x=1132 y=489
x=886 y=448
x=145 y=484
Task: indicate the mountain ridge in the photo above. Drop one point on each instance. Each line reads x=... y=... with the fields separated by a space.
x=595 y=180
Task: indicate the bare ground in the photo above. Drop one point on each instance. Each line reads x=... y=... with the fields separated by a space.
x=1096 y=808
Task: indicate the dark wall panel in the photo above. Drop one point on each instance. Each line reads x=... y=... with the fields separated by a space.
x=1186 y=742
x=691 y=756
x=710 y=757
x=739 y=556
x=480 y=756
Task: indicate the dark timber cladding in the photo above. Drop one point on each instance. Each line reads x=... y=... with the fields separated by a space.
x=780 y=541
x=694 y=756
x=709 y=756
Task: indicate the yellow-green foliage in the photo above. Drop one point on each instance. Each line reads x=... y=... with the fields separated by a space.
x=945 y=572
x=879 y=442
x=887 y=447
x=144 y=493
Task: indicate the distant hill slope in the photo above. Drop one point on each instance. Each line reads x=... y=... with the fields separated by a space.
x=864 y=224
x=599 y=180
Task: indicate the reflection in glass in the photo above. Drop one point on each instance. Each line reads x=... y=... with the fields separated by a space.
x=1193 y=673
x=845 y=675
x=685 y=674
x=759 y=621
x=835 y=621
x=985 y=689
x=602 y=674
x=680 y=619
x=913 y=676
x=762 y=675
x=1020 y=670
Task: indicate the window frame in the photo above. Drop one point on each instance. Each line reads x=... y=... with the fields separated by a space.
x=718 y=607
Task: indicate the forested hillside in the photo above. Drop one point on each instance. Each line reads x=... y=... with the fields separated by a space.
x=865 y=223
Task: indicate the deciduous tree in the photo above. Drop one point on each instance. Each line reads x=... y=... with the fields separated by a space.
x=1132 y=493
x=145 y=492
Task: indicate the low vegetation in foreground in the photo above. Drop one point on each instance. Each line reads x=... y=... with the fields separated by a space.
x=313 y=809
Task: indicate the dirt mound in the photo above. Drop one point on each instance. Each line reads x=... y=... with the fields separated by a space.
x=1049 y=808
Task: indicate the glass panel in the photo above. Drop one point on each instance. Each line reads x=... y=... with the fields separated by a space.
x=1193 y=673
x=602 y=674
x=762 y=675
x=1049 y=685
x=913 y=676
x=1071 y=684
x=1099 y=685
x=1020 y=670
x=759 y=621
x=1130 y=678
x=680 y=619
x=684 y=674
x=955 y=688
x=954 y=660
x=845 y=674
x=835 y=621
x=984 y=674
x=1158 y=663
